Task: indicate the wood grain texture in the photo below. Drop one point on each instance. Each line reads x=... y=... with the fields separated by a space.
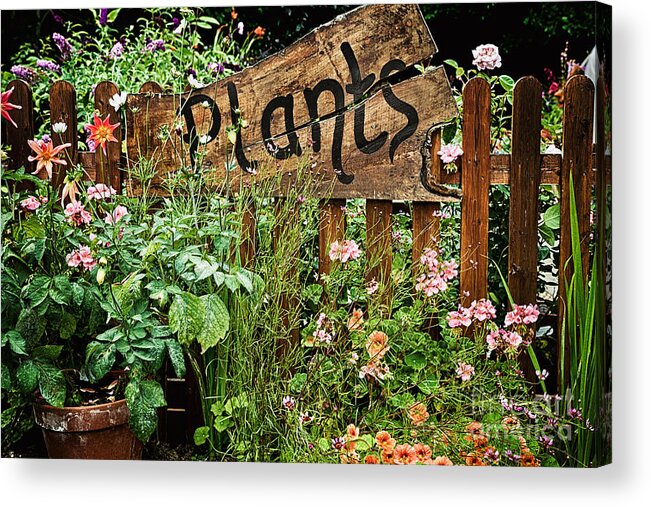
x=426 y=224
x=17 y=137
x=525 y=183
x=523 y=205
x=578 y=118
x=248 y=232
x=108 y=166
x=378 y=244
x=474 y=184
x=63 y=108
x=332 y=226
x=151 y=87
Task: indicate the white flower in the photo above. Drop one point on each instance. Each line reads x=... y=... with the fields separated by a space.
x=118 y=100
x=59 y=128
x=486 y=57
x=179 y=29
x=194 y=83
x=552 y=150
x=204 y=139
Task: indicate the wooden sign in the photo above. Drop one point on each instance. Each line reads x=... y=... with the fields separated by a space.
x=346 y=97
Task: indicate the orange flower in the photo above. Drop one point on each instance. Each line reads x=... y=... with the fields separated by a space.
x=5 y=106
x=474 y=461
x=423 y=452
x=233 y=13
x=529 y=460
x=509 y=423
x=356 y=320
x=404 y=454
x=418 y=413
x=46 y=154
x=523 y=446
x=101 y=132
x=384 y=441
x=474 y=427
x=352 y=432
x=259 y=32
x=371 y=459
x=442 y=461
x=377 y=345
x=350 y=458
x=388 y=456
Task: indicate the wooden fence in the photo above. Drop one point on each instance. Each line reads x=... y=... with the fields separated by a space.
x=525 y=169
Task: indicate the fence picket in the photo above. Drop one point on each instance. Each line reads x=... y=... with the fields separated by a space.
x=151 y=87
x=332 y=225
x=247 y=239
x=523 y=205
x=475 y=183
x=17 y=137
x=107 y=166
x=578 y=116
x=378 y=244
x=63 y=108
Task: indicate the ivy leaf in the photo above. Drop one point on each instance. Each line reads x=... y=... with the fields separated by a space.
x=216 y=322
x=27 y=377
x=52 y=385
x=175 y=352
x=201 y=435
x=16 y=342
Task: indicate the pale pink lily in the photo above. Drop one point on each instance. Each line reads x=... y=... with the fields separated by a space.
x=46 y=155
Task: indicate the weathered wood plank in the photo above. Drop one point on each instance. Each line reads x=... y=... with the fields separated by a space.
x=17 y=137
x=248 y=232
x=523 y=205
x=301 y=99
x=525 y=182
x=474 y=184
x=426 y=224
x=332 y=226
x=378 y=245
x=63 y=108
x=107 y=166
x=151 y=87
x=578 y=116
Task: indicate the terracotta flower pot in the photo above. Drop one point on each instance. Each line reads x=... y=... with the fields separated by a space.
x=89 y=432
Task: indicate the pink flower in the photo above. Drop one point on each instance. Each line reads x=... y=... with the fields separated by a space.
x=450 y=152
x=438 y=273
x=82 y=256
x=482 y=310
x=344 y=251
x=486 y=57
x=119 y=212
x=100 y=191
x=31 y=203
x=465 y=371
x=372 y=287
x=512 y=339
x=460 y=318
x=76 y=214
x=522 y=315
x=492 y=340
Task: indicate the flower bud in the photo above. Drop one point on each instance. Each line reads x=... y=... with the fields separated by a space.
x=101 y=274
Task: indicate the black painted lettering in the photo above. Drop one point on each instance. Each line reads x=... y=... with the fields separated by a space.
x=357 y=88
x=399 y=105
x=192 y=137
x=242 y=161
x=286 y=103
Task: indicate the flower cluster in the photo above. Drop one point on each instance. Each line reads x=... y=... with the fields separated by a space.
x=465 y=371
x=22 y=72
x=76 y=214
x=155 y=45
x=522 y=315
x=356 y=320
x=344 y=251
x=82 y=257
x=449 y=153
x=116 y=215
x=480 y=311
x=32 y=203
x=62 y=43
x=438 y=274
x=99 y=192
x=377 y=345
x=418 y=413
x=486 y=57
x=503 y=340
x=392 y=453
x=48 y=65
x=323 y=332
x=116 y=50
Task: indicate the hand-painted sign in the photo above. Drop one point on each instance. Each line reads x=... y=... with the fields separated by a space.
x=347 y=95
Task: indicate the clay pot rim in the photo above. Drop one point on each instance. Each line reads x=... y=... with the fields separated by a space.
x=45 y=406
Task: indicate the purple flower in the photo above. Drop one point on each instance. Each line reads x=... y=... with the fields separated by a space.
x=492 y=455
x=546 y=441
x=216 y=67
x=511 y=456
x=191 y=72
x=338 y=443
x=57 y=18
x=240 y=28
x=176 y=22
x=116 y=50
x=92 y=89
x=63 y=44
x=46 y=138
x=103 y=16
x=48 y=65
x=575 y=413
x=22 y=72
x=289 y=403
x=155 y=45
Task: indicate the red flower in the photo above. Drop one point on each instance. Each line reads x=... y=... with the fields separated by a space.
x=5 y=106
x=101 y=132
x=46 y=154
x=259 y=32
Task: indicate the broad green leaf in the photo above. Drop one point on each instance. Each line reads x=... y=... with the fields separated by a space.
x=152 y=393
x=177 y=359
x=61 y=290
x=507 y=82
x=143 y=421
x=235 y=403
x=451 y=63
x=16 y=342
x=428 y=386
x=100 y=358
x=547 y=235
x=204 y=269
x=33 y=227
x=37 y=289
x=52 y=385
x=67 y=326
x=5 y=383
x=186 y=317
x=552 y=217
x=416 y=360
x=244 y=277
x=30 y=325
x=77 y=294
x=27 y=377
x=365 y=442
x=222 y=423
x=216 y=322
x=324 y=444
x=47 y=352
x=143 y=398
x=201 y=435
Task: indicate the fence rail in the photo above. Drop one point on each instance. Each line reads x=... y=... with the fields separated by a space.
x=524 y=170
